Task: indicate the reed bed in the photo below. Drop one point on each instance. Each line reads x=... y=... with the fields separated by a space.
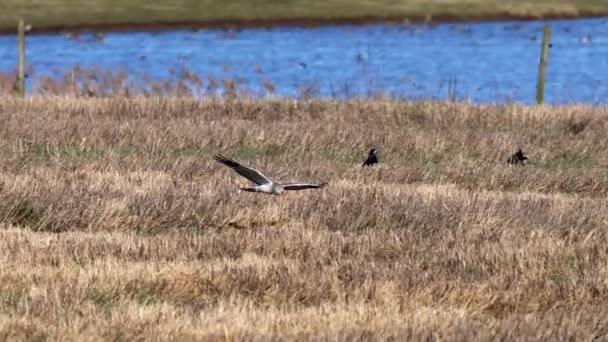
x=116 y=224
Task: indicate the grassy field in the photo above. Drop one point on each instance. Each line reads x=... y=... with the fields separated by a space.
x=116 y=223
x=106 y=14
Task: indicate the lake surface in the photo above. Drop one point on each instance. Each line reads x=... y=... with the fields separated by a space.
x=482 y=62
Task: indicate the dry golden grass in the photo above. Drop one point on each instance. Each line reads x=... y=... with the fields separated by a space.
x=117 y=225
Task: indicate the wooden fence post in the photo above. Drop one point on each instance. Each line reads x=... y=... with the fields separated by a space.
x=542 y=69
x=21 y=67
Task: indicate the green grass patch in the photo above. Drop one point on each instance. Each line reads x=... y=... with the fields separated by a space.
x=146 y=296
x=127 y=150
x=39 y=153
x=567 y=160
x=26 y=214
x=103 y=299
x=78 y=152
x=189 y=151
x=10 y=299
x=245 y=152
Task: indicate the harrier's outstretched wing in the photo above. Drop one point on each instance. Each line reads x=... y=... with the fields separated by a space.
x=247 y=172
x=302 y=186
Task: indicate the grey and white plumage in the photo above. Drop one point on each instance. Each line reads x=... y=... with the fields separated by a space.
x=262 y=183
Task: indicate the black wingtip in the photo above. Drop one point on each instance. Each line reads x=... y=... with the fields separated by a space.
x=224 y=160
x=219 y=158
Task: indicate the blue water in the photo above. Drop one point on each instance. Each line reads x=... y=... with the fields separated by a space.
x=481 y=62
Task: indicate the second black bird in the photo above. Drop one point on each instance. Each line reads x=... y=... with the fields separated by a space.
x=372 y=158
x=517 y=158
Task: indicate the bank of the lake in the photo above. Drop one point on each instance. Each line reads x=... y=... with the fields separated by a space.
x=115 y=15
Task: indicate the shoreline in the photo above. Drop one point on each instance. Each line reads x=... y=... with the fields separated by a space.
x=240 y=24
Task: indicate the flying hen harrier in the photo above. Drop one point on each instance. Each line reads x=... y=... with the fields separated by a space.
x=263 y=184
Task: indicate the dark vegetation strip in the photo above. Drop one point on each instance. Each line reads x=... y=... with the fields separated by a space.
x=106 y=20
x=240 y=24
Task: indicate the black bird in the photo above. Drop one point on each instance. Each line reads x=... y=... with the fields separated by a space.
x=372 y=158
x=517 y=158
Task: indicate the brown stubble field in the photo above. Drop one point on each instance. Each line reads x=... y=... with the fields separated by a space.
x=116 y=224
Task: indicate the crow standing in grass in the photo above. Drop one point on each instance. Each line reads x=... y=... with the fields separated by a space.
x=517 y=158
x=372 y=158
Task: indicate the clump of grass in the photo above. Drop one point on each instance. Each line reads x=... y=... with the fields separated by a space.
x=26 y=214
x=576 y=126
x=104 y=300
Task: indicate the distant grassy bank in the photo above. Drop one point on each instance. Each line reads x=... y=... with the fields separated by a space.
x=59 y=15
